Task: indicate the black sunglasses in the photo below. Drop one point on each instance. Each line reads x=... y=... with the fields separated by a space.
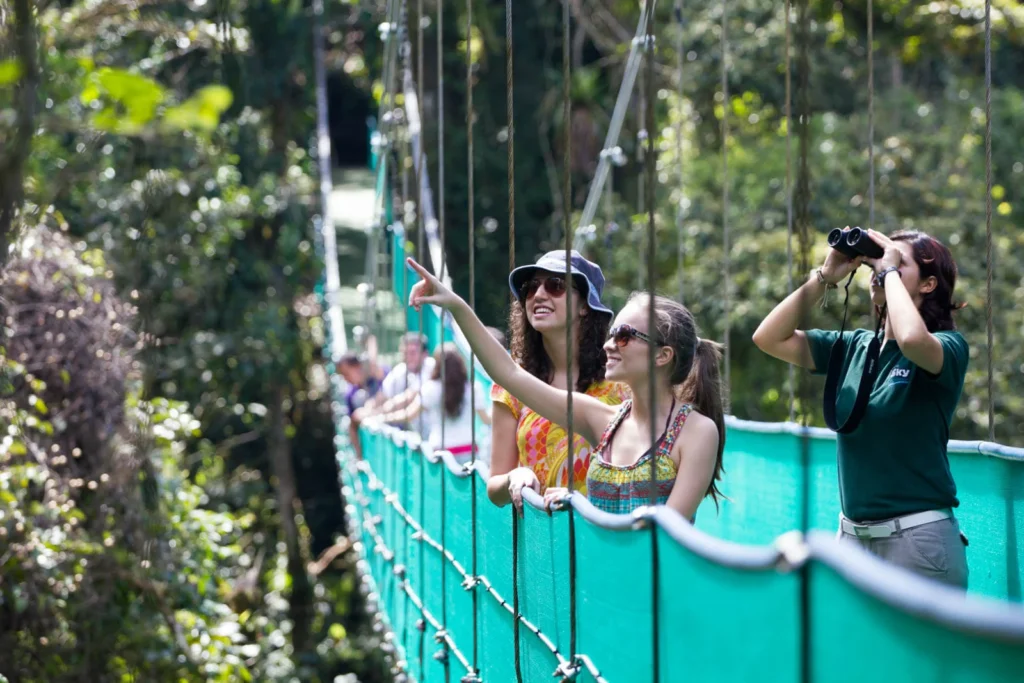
x=553 y=285
x=623 y=334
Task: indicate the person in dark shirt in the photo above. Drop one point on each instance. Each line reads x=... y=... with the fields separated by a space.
x=897 y=492
x=364 y=379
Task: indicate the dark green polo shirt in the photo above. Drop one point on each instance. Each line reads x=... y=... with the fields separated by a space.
x=895 y=463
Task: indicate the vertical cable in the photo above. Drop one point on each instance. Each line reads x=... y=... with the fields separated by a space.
x=802 y=209
x=871 y=115
x=789 y=195
x=471 y=224
x=652 y=397
x=440 y=330
x=570 y=340
x=680 y=48
x=989 y=254
x=515 y=594
x=511 y=127
x=726 y=246
x=509 y=54
x=420 y=253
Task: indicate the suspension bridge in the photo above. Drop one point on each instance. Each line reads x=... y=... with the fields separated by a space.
x=761 y=591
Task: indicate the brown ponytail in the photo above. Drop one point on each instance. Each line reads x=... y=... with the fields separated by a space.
x=703 y=389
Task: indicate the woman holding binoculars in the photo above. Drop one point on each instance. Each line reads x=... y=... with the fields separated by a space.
x=898 y=393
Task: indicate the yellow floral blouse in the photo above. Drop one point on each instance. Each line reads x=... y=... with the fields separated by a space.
x=542 y=444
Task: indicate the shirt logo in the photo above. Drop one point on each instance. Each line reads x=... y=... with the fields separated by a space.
x=899 y=376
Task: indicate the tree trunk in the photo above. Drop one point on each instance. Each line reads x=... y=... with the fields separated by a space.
x=14 y=153
x=301 y=599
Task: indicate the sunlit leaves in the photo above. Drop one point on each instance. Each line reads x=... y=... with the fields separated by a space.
x=10 y=72
x=123 y=102
x=201 y=111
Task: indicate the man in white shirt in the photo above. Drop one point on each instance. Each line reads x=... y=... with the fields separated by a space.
x=406 y=378
x=417 y=366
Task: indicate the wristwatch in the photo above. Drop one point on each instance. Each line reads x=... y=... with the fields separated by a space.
x=880 y=278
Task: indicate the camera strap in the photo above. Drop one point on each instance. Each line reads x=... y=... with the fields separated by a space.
x=836 y=361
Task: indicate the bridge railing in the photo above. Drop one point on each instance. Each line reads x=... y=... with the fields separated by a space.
x=726 y=611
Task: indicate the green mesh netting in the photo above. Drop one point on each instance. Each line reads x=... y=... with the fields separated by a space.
x=730 y=605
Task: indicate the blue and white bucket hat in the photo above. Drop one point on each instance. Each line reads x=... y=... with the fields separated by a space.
x=586 y=275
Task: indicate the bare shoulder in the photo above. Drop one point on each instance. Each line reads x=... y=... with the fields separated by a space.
x=699 y=436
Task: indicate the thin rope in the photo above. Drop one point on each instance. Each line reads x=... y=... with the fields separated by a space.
x=509 y=58
x=680 y=57
x=726 y=263
x=803 y=202
x=511 y=129
x=471 y=223
x=871 y=114
x=420 y=244
x=570 y=341
x=440 y=208
x=567 y=232
x=641 y=160
x=440 y=332
x=515 y=594
x=988 y=218
x=789 y=194
x=649 y=56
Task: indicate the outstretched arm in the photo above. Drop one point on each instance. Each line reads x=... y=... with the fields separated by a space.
x=593 y=416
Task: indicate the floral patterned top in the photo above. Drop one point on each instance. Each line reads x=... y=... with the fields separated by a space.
x=542 y=444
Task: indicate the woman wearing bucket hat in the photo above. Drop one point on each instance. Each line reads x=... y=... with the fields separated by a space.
x=528 y=450
x=682 y=396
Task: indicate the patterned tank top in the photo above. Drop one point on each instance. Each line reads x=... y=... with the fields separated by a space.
x=620 y=489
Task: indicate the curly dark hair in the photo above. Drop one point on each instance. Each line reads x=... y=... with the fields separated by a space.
x=527 y=346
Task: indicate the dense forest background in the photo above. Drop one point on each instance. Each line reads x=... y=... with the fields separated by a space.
x=168 y=500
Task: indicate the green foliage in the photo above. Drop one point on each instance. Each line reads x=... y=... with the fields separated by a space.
x=929 y=147
x=172 y=141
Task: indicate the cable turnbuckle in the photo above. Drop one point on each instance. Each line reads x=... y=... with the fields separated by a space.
x=471 y=582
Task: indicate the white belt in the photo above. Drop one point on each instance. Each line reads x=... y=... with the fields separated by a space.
x=891 y=527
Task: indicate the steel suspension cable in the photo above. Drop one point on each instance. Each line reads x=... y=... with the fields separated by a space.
x=510 y=141
x=802 y=211
x=641 y=160
x=726 y=246
x=789 y=193
x=652 y=396
x=989 y=254
x=680 y=57
x=440 y=330
x=420 y=251
x=473 y=677
x=570 y=340
x=871 y=114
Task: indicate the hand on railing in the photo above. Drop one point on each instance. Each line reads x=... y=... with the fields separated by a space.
x=518 y=479
x=556 y=498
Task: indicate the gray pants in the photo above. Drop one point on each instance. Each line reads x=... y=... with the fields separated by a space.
x=936 y=550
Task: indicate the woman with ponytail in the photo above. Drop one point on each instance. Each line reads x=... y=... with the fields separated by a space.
x=896 y=490
x=687 y=411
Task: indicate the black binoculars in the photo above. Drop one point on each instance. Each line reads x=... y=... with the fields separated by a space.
x=854 y=242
